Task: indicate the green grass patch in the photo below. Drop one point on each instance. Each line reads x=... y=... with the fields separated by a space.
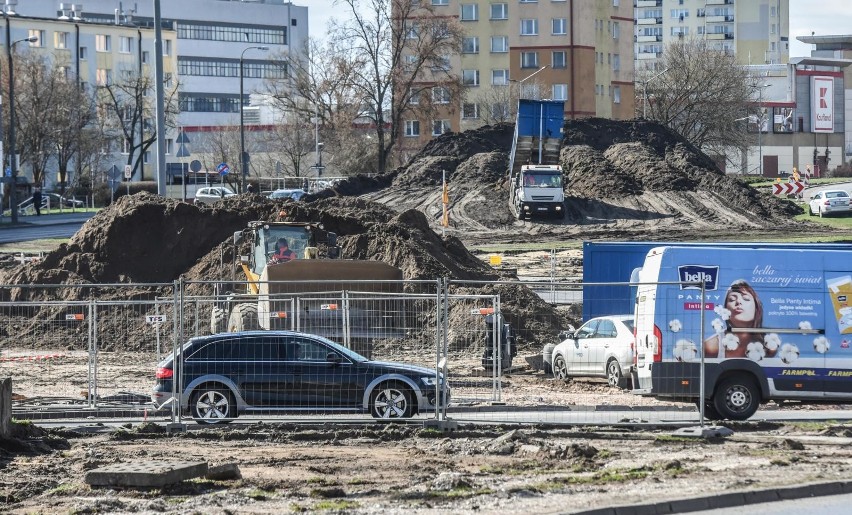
x=336 y=505
x=836 y=221
x=778 y=462
x=460 y=492
x=257 y=494
x=320 y=481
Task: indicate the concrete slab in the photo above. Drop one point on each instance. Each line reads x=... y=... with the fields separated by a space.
x=704 y=432
x=146 y=474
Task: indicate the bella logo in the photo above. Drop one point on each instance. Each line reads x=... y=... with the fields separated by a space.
x=822 y=103
x=698 y=274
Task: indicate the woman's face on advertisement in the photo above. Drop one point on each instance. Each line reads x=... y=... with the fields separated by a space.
x=741 y=305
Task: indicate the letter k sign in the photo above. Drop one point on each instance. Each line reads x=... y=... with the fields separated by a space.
x=822 y=103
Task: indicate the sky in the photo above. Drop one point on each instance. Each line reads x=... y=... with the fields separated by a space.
x=825 y=18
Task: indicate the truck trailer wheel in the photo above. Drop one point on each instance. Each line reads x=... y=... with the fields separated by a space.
x=243 y=318
x=736 y=398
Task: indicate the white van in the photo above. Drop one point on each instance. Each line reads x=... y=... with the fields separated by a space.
x=771 y=324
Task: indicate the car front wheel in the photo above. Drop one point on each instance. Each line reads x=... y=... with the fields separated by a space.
x=560 y=368
x=391 y=401
x=213 y=406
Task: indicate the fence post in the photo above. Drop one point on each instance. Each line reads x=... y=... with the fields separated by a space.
x=176 y=425
x=701 y=369
x=93 y=354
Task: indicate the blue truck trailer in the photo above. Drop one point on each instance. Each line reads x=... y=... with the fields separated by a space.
x=535 y=176
x=769 y=325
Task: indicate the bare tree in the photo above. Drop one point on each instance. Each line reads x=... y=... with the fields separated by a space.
x=288 y=143
x=703 y=94
x=128 y=104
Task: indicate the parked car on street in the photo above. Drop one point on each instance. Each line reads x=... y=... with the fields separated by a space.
x=227 y=374
x=829 y=202
x=295 y=194
x=57 y=200
x=211 y=194
x=602 y=347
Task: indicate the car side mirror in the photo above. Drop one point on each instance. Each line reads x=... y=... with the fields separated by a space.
x=565 y=335
x=333 y=358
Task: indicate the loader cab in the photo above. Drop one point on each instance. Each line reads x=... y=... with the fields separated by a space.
x=299 y=239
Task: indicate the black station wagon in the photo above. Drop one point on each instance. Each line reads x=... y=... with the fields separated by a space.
x=227 y=374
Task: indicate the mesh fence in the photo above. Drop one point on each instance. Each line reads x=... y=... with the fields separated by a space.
x=508 y=352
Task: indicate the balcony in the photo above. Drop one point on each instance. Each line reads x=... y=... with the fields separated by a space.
x=648 y=3
x=648 y=39
x=649 y=21
x=643 y=56
x=718 y=35
x=729 y=18
x=720 y=2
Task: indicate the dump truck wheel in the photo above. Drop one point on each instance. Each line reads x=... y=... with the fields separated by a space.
x=243 y=318
x=218 y=319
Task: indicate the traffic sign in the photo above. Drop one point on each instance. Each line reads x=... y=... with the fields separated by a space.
x=788 y=188
x=183 y=138
x=114 y=172
x=182 y=151
x=128 y=171
x=195 y=165
x=223 y=169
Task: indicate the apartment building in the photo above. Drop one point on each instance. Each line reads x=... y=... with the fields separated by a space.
x=756 y=31
x=213 y=36
x=579 y=52
x=98 y=54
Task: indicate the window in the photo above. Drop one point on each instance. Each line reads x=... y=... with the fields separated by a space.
x=616 y=94
x=772 y=46
x=103 y=76
x=560 y=92
x=500 y=111
x=125 y=146
x=772 y=28
x=83 y=53
x=440 y=95
x=414 y=97
x=529 y=27
x=616 y=62
x=102 y=43
x=499 y=77
x=470 y=77
x=470 y=111
x=216 y=67
x=440 y=2
x=616 y=30
x=60 y=40
x=39 y=35
x=440 y=127
x=772 y=12
x=559 y=25
x=232 y=33
x=200 y=103
x=499 y=11
x=499 y=44
x=442 y=63
x=529 y=59
x=558 y=60
x=167 y=47
x=412 y=128
x=124 y=44
x=409 y=62
x=170 y=146
x=679 y=14
x=470 y=45
x=529 y=1
x=469 y=12
x=145 y=57
x=412 y=32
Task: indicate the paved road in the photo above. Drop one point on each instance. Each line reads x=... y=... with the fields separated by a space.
x=43 y=227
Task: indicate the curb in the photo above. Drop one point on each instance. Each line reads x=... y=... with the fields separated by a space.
x=727 y=500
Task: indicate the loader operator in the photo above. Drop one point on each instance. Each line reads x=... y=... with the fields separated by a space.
x=282 y=252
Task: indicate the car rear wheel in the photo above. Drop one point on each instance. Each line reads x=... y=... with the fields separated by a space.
x=213 y=405
x=391 y=401
x=810 y=210
x=614 y=376
x=736 y=398
x=560 y=368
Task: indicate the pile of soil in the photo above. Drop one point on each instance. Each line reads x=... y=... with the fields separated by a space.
x=145 y=239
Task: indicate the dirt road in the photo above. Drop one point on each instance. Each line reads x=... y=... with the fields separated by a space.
x=405 y=469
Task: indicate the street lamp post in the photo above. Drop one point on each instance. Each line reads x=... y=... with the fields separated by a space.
x=243 y=157
x=13 y=193
x=760 y=128
x=645 y=91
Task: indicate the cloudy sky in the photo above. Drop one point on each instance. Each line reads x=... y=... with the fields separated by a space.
x=826 y=17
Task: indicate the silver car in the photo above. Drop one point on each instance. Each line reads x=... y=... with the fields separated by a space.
x=602 y=347
x=211 y=194
x=829 y=202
